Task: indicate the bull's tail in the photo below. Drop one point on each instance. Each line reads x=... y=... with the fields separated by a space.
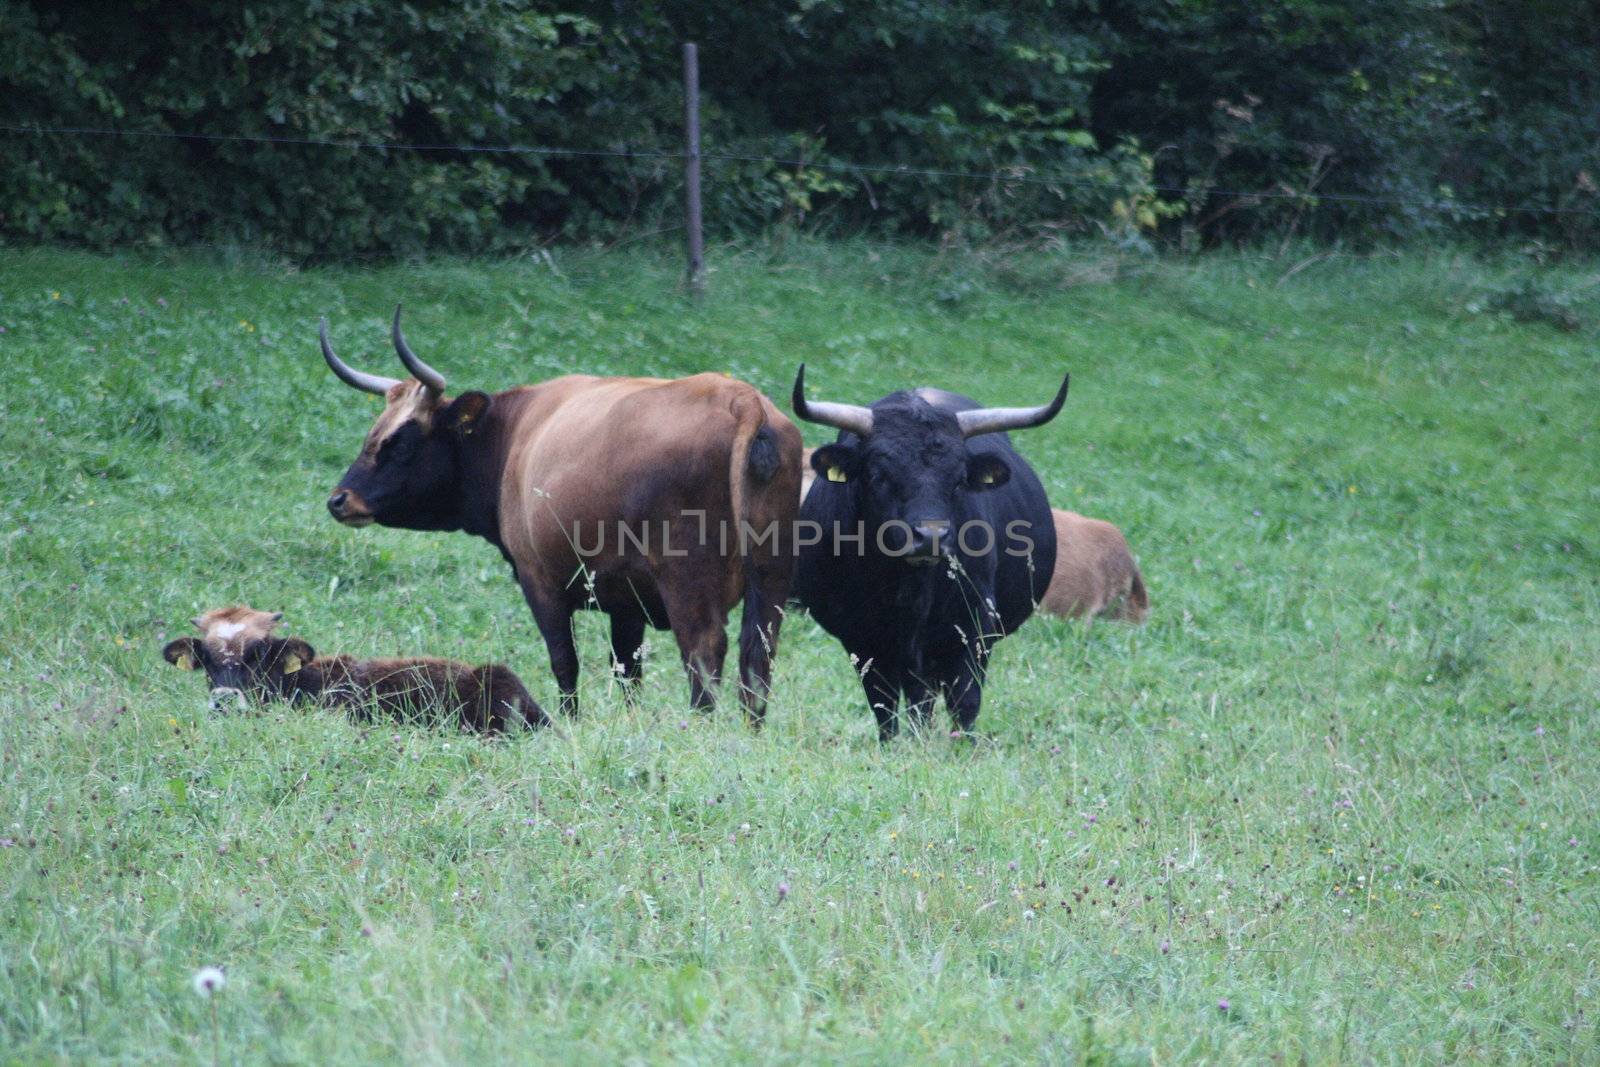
x=1137 y=605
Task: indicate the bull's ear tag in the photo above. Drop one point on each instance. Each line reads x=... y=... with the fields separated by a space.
x=184 y=662
x=291 y=663
x=836 y=474
x=988 y=478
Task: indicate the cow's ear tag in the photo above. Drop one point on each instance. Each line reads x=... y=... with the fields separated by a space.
x=836 y=474
x=988 y=478
x=184 y=662
x=291 y=663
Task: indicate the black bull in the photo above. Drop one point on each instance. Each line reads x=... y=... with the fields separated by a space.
x=959 y=543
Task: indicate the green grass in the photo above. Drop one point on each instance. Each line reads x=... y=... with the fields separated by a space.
x=1345 y=779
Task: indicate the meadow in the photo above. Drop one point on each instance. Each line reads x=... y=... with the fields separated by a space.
x=1335 y=803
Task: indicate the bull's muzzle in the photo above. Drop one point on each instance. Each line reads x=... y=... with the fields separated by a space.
x=929 y=543
x=349 y=508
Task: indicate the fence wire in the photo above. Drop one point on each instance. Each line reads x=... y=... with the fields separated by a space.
x=1016 y=174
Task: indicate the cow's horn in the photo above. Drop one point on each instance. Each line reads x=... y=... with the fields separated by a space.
x=857 y=420
x=993 y=420
x=367 y=383
x=432 y=379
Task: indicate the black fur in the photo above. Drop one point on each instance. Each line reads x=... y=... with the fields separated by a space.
x=764 y=458
x=920 y=632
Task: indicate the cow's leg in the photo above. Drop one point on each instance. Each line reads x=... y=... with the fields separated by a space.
x=627 y=638
x=766 y=590
x=553 y=616
x=700 y=624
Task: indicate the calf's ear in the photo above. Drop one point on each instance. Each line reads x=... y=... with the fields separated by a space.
x=465 y=411
x=294 y=655
x=836 y=463
x=985 y=470
x=182 y=653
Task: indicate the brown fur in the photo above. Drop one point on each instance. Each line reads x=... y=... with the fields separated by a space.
x=592 y=451
x=587 y=453
x=487 y=699
x=1095 y=573
x=227 y=632
x=262 y=668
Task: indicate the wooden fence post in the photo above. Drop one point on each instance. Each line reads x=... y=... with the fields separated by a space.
x=691 y=175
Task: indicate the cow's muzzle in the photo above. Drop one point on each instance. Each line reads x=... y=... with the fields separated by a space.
x=349 y=508
x=227 y=698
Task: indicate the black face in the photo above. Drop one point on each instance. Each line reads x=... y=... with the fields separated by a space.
x=408 y=473
x=912 y=473
x=259 y=671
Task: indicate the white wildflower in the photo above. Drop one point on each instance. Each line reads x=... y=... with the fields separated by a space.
x=209 y=981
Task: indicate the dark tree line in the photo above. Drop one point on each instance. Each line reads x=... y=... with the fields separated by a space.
x=1163 y=119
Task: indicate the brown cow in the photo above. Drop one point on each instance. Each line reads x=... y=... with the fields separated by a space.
x=1094 y=573
x=630 y=495
x=245 y=663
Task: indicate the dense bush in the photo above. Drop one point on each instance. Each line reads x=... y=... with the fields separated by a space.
x=1043 y=117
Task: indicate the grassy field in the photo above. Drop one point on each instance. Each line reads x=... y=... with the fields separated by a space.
x=1336 y=803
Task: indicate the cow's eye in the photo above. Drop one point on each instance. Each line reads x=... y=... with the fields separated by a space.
x=397 y=448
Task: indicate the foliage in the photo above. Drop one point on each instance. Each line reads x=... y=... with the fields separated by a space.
x=484 y=72
x=1200 y=120
x=1427 y=112
x=1343 y=780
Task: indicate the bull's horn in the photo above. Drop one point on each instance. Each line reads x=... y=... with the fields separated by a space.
x=432 y=379
x=855 y=419
x=367 y=383
x=993 y=420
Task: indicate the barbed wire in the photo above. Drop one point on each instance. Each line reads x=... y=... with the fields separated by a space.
x=1016 y=175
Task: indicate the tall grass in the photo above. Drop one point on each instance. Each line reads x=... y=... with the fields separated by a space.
x=1343 y=782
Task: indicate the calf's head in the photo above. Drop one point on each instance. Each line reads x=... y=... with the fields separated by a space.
x=909 y=464
x=409 y=469
x=242 y=659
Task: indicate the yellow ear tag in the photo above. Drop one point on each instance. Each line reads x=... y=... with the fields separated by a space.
x=185 y=662
x=988 y=478
x=836 y=474
x=291 y=663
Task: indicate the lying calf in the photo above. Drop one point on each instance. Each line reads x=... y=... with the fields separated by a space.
x=244 y=662
x=1095 y=573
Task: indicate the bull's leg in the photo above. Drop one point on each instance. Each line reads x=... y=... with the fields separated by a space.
x=963 y=694
x=883 y=697
x=553 y=616
x=920 y=697
x=627 y=638
x=701 y=626
x=764 y=597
